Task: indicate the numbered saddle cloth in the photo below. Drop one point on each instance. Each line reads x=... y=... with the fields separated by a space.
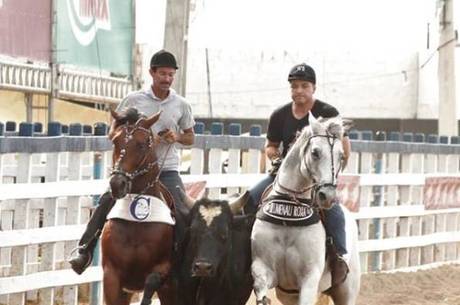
x=284 y=210
x=142 y=208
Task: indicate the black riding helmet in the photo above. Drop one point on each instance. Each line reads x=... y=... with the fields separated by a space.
x=163 y=59
x=302 y=72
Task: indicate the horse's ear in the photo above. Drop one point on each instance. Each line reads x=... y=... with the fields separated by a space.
x=314 y=124
x=114 y=114
x=113 y=124
x=152 y=119
x=347 y=125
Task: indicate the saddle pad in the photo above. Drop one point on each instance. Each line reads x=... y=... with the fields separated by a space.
x=283 y=210
x=141 y=208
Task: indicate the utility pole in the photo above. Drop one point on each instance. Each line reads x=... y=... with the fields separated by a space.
x=52 y=97
x=209 y=83
x=176 y=36
x=447 y=120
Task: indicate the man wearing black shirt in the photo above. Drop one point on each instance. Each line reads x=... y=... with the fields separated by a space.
x=284 y=124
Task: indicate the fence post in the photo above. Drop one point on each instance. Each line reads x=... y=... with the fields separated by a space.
x=234 y=156
x=215 y=158
x=378 y=192
x=431 y=166
x=99 y=130
x=367 y=167
x=254 y=155
x=73 y=208
x=21 y=218
x=418 y=164
x=353 y=160
x=402 y=255
x=452 y=219
x=197 y=158
x=50 y=218
x=389 y=257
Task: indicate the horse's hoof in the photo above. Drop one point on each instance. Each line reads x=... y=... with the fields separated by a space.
x=146 y=302
x=264 y=301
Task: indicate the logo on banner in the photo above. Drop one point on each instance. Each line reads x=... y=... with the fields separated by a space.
x=87 y=17
x=140 y=208
x=441 y=193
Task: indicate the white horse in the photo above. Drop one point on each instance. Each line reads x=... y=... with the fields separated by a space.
x=292 y=258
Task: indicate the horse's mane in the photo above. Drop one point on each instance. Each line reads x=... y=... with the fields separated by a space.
x=332 y=126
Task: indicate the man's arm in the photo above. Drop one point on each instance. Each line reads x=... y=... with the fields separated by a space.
x=272 y=150
x=185 y=138
x=346 y=151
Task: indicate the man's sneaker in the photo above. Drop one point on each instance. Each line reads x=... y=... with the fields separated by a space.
x=339 y=270
x=80 y=262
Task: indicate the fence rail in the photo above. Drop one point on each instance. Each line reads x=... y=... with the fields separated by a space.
x=69 y=84
x=48 y=188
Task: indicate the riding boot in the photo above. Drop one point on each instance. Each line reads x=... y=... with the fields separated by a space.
x=90 y=237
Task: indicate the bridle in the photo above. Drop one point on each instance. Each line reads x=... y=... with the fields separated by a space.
x=117 y=170
x=315 y=186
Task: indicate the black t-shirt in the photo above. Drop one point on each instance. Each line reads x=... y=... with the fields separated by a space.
x=283 y=126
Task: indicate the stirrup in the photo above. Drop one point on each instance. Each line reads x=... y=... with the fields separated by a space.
x=75 y=261
x=77 y=248
x=339 y=262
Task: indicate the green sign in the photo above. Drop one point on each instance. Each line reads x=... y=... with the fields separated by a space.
x=95 y=34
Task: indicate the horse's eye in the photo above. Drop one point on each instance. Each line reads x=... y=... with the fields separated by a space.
x=315 y=152
x=140 y=145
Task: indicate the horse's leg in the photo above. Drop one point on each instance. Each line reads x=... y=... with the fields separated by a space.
x=166 y=293
x=340 y=295
x=159 y=276
x=263 y=281
x=309 y=288
x=345 y=293
x=113 y=293
x=152 y=283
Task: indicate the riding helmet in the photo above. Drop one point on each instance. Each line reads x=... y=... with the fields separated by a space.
x=163 y=59
x=302 y=72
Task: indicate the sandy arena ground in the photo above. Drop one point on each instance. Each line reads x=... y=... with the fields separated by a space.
x=438 y=286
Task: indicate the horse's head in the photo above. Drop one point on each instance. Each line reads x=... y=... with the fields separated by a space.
x=321 y=157
x=133 y=149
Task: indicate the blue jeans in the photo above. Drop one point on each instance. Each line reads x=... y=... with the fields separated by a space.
x=255 y=194
x=334 y=221
x=172 y=180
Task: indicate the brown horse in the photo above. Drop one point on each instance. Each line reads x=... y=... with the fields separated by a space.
x=136 y=256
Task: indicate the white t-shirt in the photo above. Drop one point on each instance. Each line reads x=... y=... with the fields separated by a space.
x=176 y=115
